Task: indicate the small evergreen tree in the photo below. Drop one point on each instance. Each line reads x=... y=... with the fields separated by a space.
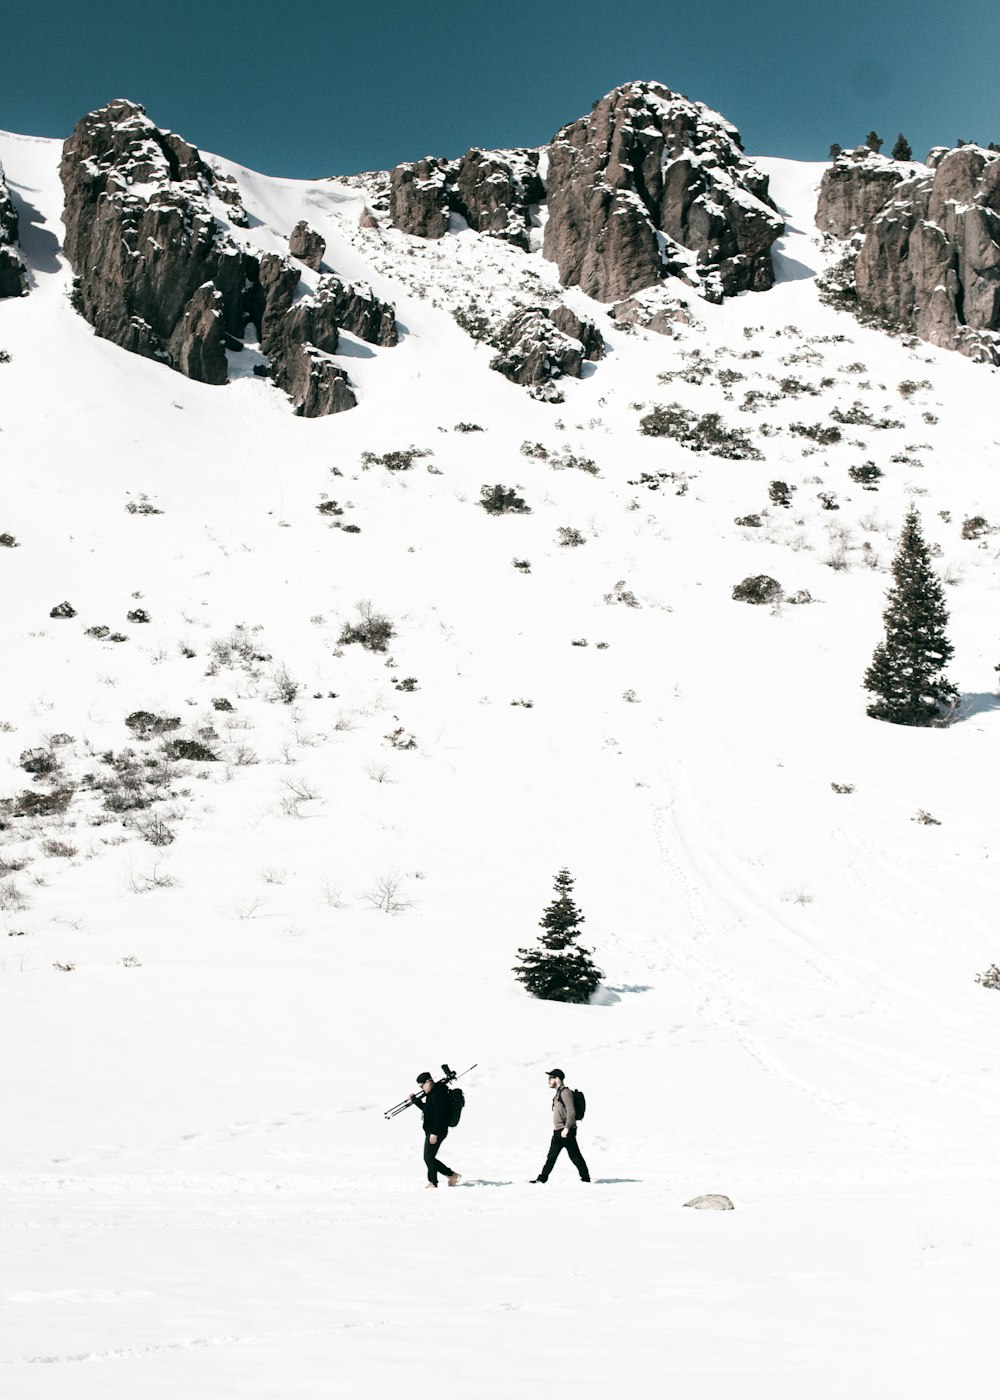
x=836 y=150
x=557 y=968
x=902 y=149
x=906 y=674
x=873 y=141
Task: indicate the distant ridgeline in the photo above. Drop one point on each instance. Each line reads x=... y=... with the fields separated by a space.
x=649 y=186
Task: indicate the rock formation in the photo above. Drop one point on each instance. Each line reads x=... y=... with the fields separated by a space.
x=307 y=245
x=854 y=188
x=647 y=184
x=712 y=1201
x=535 y=346
x=930 y=261
x=159 y=272
x=418 y=198
x=13 y=280
x=493 y=191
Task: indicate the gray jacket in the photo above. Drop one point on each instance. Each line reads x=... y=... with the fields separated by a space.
x=563 y=1110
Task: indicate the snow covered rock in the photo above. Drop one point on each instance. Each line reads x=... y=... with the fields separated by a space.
x=649 y=184
x=712 y=1201
x=535 y=346
x=159 y=274
x=491 y=190
x=143 y=241
x=931 y=258
x=13 y=282
x=307 y=245
x=855 y=188
x=418 y=199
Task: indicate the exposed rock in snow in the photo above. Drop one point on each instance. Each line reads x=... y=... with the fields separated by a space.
x=307 y=245
x=931 y=257
x=159 y=274
x=13 y=282
x=855 y=188
x=712 y=1201
x=418 y=200
x=536 y=346
x=645 y=181
x=491 y=190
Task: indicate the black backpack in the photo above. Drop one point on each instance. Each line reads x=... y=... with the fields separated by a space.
x=456 y=1102
x=579 y=1103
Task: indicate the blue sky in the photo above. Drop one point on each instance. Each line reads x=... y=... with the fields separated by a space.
x=342 y=85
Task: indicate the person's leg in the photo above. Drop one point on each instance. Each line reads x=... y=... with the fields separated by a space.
x=431 y=1161
x=555 y=1147
x=576 y=1156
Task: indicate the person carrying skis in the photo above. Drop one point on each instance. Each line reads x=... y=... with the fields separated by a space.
x=434 y=1107
x=564 y=1129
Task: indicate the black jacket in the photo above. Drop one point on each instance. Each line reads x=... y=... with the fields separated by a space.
x=435 y=1110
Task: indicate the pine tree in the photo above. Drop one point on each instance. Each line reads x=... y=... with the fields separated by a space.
x=902 y=149
x=558 y=969
x=873 y=141
x=907 y=671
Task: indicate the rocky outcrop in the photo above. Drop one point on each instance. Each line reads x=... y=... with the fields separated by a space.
x=535 y=346
x=855 y=188
x=712 y=1201
x=649 y=184
x=579 y=329
x=652 y=312
x=359 y=311
x=306 y=244
x=493 y=191
x=930 y=261
x=13 y=279
x=418 y=198
x=159 y=272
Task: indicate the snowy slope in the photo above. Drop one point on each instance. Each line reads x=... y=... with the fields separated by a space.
x=201 y=1196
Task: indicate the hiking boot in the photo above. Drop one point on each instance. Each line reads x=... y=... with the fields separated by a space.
x=538 y=1181
x=454 y=1179
x=431 y=1186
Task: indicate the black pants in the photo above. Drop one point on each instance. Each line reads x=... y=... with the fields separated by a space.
x=572 y=1150
x=431 y=1161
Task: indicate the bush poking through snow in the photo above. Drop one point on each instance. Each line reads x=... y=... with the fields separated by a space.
x=568 y=537
x=621 y=594
x=990 y=978
x=699 y=433
x=399 y=461
x=779 y=493
x=8 y=541
x=757 y=589
x=63 y=610
x=373 y=630
x=502 y=500
x=145 y=725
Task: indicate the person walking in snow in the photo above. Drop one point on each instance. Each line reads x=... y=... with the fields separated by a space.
x=433 y=1104
x=564 y=1129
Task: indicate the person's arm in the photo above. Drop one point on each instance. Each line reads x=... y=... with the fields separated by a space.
x=569 y=1108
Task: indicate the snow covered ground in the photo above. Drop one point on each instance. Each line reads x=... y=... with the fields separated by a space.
x=200 y=1195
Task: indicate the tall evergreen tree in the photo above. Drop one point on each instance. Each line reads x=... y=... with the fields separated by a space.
x=906 y=674
x=902 y=149
x=557 y=968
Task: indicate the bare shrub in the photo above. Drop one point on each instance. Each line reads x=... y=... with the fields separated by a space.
x=373 y=630
x=386 y=894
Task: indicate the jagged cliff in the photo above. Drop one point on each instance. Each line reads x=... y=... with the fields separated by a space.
x=160 y=271
x=13 y=281
x=647 y=185
x=930 y=256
